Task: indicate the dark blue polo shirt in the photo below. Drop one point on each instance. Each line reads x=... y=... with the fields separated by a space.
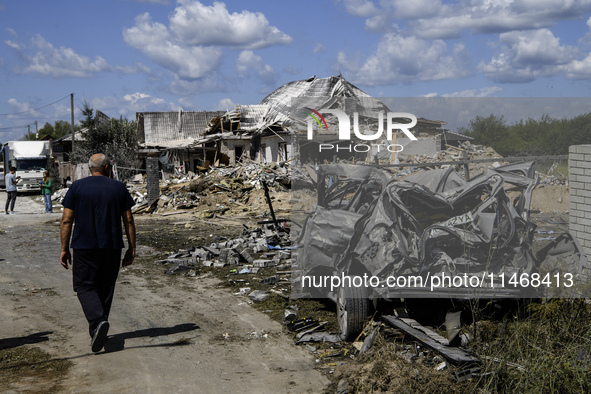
x=98 y=203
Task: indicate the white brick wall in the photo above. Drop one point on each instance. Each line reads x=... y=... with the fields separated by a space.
x=579 y=169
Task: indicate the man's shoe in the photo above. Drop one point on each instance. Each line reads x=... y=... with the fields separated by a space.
x=100 y=336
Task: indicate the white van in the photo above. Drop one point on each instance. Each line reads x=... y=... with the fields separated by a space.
x=2 y=184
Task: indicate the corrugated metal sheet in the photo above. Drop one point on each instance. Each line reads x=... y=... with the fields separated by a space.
x=322 y=89
x=251 y=116
x=180 y=128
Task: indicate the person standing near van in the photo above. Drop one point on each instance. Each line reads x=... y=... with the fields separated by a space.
x=11 y=180
x=46 y=190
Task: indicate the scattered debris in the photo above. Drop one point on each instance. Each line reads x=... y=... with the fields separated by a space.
x=453 y=354
x=259 y=296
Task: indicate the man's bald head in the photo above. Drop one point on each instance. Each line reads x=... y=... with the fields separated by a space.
x=99 y=163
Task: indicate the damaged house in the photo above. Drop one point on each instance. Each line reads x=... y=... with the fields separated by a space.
x=272 y=131
x=170 y=136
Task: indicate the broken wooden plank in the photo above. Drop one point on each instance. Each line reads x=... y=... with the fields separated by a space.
x=453 y=354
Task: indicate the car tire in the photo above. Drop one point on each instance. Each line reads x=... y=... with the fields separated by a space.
x=353 y=308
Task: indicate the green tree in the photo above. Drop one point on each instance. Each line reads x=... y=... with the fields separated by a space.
x=47 y=129
x=62 y=128
x=59 y=129
x=117 y=138
x=89 y=120
x=486 y=130
x=546 y=136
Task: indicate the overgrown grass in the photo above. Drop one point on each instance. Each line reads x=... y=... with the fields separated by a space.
x=552 y=344
x=547 y=351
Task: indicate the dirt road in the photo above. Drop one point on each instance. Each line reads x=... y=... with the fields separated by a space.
x=186 y=336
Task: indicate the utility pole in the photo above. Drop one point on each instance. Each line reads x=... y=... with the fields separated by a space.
x=72 y=113
x=36 y=131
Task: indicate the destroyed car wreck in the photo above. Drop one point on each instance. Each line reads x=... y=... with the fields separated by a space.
x=375 y=237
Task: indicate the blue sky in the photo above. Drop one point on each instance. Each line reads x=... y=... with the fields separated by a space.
x=128 y=56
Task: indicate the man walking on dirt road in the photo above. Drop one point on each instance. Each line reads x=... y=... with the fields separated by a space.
x=95 y=205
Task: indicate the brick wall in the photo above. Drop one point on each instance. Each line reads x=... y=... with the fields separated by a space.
x=152 y=178
x=579 y=164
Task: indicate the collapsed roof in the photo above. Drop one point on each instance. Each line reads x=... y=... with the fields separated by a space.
x=276 y=111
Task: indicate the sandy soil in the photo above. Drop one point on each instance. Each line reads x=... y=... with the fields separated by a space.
x=183 y=335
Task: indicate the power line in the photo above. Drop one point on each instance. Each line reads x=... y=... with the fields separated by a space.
x=35 y=109
x=16 y=127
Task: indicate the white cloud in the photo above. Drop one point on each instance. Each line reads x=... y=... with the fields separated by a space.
x=579 y=69
x=142 y=97
x=363 y=8
x=209 y=83
x=405 y=59
x=194 y=23
x=134 y=69
x=432 y=19
x=186 y=103
x=319 y=48
x=417 y=9
x=191 y=47
x=380 y=22
x=224 y=104
x=526 y=55
x=154 y=40
x=248 y=61
x=18 y=106
x=499 y=16
x=42 y=58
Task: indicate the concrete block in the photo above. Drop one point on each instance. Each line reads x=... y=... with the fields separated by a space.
x=263 y=263
x=574 y=211
x=584 y=222
x=583 y=207
x=576 y=171
x=581 y=178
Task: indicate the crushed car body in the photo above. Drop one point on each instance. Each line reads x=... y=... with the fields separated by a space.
x=429 y=234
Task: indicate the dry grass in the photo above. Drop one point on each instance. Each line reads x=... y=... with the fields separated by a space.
x=547 y=351
x=31 y=370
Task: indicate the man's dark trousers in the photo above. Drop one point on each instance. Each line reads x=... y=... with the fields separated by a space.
x=95 y=273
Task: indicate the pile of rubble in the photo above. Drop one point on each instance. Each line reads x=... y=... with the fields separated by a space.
x=234 y=187
x=255 y=250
